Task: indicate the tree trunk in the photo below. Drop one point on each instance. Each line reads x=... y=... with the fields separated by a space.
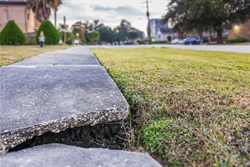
x=55 y=18
x=219 y=36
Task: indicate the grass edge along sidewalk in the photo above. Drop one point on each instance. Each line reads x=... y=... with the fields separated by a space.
x=191 y=108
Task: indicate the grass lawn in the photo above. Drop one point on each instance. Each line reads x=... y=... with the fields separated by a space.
x=191 y=108
x=13 y=54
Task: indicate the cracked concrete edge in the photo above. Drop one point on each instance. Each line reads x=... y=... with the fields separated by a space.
x=11 y=139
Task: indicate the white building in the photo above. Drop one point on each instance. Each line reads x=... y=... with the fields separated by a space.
x=159 y=31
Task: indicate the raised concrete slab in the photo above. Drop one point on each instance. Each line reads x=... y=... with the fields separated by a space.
x=39 y=98
x=56 y=155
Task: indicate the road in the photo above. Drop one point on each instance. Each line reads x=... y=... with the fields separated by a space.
x=220 y=48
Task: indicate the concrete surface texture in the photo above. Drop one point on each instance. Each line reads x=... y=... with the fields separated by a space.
x=56 y=155
x=53 y=92
x=71 y=56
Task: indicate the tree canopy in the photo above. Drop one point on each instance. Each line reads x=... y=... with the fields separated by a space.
x=42 y=8
x=122 y=32
x=82 y=28
x=205 y=15
x=126 y=31
x=94 y=36
x=54 y=4
x=79 y=28
x=106 y=34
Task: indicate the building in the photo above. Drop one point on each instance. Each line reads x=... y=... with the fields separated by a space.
x=17 y=10
x=159 y=31
x=242 y=30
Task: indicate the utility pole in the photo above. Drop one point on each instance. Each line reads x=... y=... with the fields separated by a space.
x=148 y=16
x=64 y=32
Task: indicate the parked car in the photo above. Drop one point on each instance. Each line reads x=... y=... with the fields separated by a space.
x=192 y=41
x=76 y=42
x=177 y=41
x=128 y=43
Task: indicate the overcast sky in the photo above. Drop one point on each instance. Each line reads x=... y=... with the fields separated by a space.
x=111 y=12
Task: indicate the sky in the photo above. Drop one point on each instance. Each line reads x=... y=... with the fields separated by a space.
x=110 y=12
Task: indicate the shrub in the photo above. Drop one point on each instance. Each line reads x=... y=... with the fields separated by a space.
x=94 y=36
x=160 y=42
x=52 y=36
x=141 y=42
x=237 y=40
x=12 y=34
x=69 y=37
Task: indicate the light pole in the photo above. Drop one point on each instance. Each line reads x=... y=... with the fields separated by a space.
x=148 y=16
x=64 y=32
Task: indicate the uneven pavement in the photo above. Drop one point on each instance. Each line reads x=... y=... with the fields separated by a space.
x=53 y=92
x=70 y=156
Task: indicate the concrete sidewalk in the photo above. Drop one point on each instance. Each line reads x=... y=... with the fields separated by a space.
x=56 y=92
x=53 y=92
x=57 y=155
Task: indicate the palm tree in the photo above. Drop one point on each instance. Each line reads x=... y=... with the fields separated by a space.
x=40 y=8
x=54 y=5
x=63 y=27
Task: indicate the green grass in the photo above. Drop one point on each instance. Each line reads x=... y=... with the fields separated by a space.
x=192 y=107
x=13 y=54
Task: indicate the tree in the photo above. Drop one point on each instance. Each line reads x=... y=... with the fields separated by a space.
x=12 y=34
x=54 y=5
x=123 y=30
x=96 y=25
x=79 y=29
x=69 y=37
x=134 y=34
x=40 y=8
x=94 y=36
x=106 y=34
x=51 y=34
x=90 y=27
x=63 y=28
x=205 y=15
